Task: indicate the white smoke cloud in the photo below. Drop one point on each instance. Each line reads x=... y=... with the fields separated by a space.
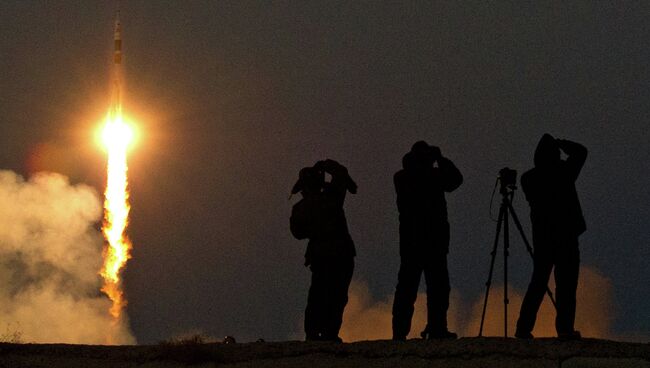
x=50 y=255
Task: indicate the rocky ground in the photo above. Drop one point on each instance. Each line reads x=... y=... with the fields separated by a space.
x=465 y=352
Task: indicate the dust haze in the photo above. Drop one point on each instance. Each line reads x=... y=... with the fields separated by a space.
x=50 y=255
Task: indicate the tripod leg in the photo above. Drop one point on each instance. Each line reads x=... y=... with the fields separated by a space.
x=528 y=247
x=506 y=247
x=519 y=227
x=493 y=254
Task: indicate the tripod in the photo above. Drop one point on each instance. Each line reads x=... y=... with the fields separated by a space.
x=507 y=192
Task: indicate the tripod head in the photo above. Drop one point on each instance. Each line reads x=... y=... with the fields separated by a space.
x=508 y=179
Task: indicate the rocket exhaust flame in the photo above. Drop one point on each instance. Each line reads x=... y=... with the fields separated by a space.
x=116 y=136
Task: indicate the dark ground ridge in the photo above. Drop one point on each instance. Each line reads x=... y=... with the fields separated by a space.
x=464 y=348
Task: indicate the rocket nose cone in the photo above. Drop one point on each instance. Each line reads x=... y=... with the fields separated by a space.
x=118 y=25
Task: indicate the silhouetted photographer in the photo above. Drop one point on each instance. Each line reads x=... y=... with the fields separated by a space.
x=557 y=221
x=319 y=217
x=424 y=238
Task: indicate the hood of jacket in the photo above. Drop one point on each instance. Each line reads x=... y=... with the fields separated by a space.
x=547 y=153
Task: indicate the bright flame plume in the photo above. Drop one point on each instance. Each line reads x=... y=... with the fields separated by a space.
x=116 y=136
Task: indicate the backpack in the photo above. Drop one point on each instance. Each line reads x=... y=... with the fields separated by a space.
x=300 y=220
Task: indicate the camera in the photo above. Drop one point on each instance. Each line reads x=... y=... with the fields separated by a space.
x=333 y=168
x=508 y=179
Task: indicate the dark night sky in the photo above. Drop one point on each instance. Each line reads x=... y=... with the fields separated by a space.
x=234 y=97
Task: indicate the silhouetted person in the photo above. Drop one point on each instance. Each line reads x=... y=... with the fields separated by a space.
x=424 y=238
x=319 y=216
x=557 y=222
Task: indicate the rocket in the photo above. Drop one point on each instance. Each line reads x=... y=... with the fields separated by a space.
x=117 y=38
x=117 y=63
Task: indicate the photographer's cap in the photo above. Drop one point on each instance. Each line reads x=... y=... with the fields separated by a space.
x=308 y=176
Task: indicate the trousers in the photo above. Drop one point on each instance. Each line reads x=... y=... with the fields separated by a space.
x=328 y=296
x=564 y=259
x=436 y=275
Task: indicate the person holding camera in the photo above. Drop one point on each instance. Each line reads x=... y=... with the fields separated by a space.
x=424 y=238
x=319 y=217
x=557 y=221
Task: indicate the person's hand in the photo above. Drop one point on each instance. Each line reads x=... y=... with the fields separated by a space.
x=329 y=166
x=332 y=166
x=435 y=153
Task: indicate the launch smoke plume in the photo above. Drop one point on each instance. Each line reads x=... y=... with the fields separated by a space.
x=367 y=319
x=50 y=255
x=594 y=312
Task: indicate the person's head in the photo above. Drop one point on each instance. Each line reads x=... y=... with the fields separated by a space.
x=424 y=155
x=408 y=161
x=547 y=153
x=310 y=181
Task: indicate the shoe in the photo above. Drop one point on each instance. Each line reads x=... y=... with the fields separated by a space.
x=440 y=335
x=524 y=335
x=399 y=338
x=313 y=337
x=332 y=339
x=572 y=335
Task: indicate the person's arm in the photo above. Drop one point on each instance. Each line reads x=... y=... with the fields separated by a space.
x=577 y=155
x=341 y=180
x=451 y=176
